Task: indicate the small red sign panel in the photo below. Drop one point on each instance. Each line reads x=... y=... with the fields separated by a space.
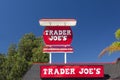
x=83 y=71
x=57 y=35
x=60 y=49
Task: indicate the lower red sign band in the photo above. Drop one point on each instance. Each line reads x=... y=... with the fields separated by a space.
x=83 y=71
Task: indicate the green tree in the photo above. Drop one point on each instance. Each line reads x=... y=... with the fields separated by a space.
x=19 y=68
x=26 y=45
x=38 y=55
x=117 y=34
x=115 y=46
x=19 y=59
x=12 y=50
x=2 y=60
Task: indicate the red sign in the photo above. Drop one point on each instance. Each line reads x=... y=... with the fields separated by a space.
x=58 y=49
x=57 y=35
x=83 y=71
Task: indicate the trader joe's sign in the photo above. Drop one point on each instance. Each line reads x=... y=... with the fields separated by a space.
x=83 y=71
x=57 y=35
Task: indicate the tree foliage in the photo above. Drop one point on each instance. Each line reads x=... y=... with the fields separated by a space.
x=20 y=58
x=115 y=46
x=38 y=55
x=2 y=60
x=26 y=45
x=12 y=49
x=117 y=34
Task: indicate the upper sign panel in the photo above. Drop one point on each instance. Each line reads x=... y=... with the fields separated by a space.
x=57 y=22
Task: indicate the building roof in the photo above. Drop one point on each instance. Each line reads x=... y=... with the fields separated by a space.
x=111 y=70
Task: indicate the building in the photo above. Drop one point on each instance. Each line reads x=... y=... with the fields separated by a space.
x=111 y=70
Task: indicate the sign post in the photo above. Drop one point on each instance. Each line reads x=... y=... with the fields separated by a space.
x=57 y=36
x=65 y=58
x=50 y=57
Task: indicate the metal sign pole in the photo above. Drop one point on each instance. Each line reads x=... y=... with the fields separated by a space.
x=65 y=58
x=50 y=57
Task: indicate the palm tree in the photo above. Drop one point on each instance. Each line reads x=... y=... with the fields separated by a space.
x=115 y=46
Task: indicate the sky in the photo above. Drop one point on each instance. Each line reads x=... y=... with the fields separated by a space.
x=97 y=21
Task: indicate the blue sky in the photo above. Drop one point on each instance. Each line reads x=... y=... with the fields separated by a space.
x=97 y=21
